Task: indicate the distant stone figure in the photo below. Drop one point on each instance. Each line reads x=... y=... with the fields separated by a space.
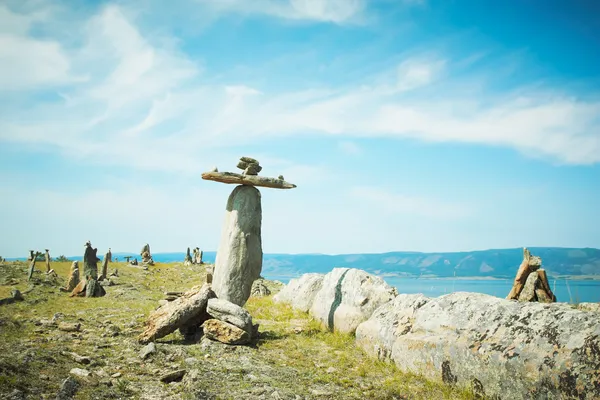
x=198 y=253
x=109 y=255
x=33 y=259
x=188 y=258
x=127 y=258
x=73 y=280
x=90 y=272
x=134 y=261
x=31 y=255
x=47 y=259
x=146 y=255
x=105 y=266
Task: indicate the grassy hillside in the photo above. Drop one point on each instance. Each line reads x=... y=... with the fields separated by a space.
x=293 y=358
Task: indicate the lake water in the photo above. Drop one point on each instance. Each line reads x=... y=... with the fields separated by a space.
x=571 y=291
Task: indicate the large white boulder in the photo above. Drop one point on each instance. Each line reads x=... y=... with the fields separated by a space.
x=301 y=292
x=348 y=296
x=502 y=348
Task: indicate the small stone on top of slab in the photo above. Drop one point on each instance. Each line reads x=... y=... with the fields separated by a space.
x=249 y=177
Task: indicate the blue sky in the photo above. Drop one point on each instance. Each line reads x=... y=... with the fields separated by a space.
x=407 y=125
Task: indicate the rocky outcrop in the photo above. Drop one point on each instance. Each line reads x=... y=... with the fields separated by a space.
x=502 y=348
x=348 y=297
x=239 y=258
x=301 y=292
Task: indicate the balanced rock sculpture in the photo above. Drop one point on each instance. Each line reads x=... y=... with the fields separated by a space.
x=239 y=257
x=531 y=282
x=146 y=255
x=47 y=260
x=89 y=285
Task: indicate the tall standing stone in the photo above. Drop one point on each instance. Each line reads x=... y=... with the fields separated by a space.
x=47 y=259
x=239 y=258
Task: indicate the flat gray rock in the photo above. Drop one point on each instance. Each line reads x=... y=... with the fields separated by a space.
x=226 y=311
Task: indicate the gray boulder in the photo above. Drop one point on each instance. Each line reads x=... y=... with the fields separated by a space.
x=348 y=296
x=239 y=257
x=226 y=311
x=501 y=348
x=301 y=292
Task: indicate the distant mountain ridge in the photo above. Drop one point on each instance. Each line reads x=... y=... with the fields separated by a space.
x=498 y=263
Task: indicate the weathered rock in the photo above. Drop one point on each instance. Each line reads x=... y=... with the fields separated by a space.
x=301 y=292
x=503 y=349
x=225 y=332
x=226 y=311
x=348 y=296
x=90 y=262
x=252 y=169
x=259 y=289
x=73 y=280
x=83 y=373
x=67 y=391
x=69 y=327
x=537 y=288
x=47 y=260
x=76 y=357
x=239 y=257
x=593 y=307
x=94 y=289
x=248 y=180
x=249 y=160
x=173 y=376
x=147 y=350
x=17 y=295
x=187 y=309
x=104 y=272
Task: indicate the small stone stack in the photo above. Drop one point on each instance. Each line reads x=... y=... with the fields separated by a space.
x=250 y=166
x=531 y=282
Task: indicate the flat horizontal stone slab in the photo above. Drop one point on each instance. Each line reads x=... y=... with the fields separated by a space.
x=249 y=180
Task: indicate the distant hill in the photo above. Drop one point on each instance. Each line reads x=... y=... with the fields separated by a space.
x=499 y=263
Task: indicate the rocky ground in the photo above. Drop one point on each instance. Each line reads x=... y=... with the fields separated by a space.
x=54 y=346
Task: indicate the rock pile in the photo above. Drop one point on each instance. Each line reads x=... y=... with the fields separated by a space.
x=250 y=166
x=146 y=256
x=89 y=285
x=219 y=315
x=73 y=279
x=531 y=282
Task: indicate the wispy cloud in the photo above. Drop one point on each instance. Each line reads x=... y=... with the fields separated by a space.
x=349 y=148
x=336 y=11
x=144 y=100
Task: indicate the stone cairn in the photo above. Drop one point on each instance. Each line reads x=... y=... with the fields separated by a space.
x=105 y=261
x=146 y=256
x=47 y=260
x=89 y=285
x=73 y=279
x=531 y=282
x=188 y=258
x=239 y=263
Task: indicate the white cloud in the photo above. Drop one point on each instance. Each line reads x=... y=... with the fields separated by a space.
x=414 y=73
x=148 y=106
x=411 y=205
x=336 y=11
x=349 y=148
